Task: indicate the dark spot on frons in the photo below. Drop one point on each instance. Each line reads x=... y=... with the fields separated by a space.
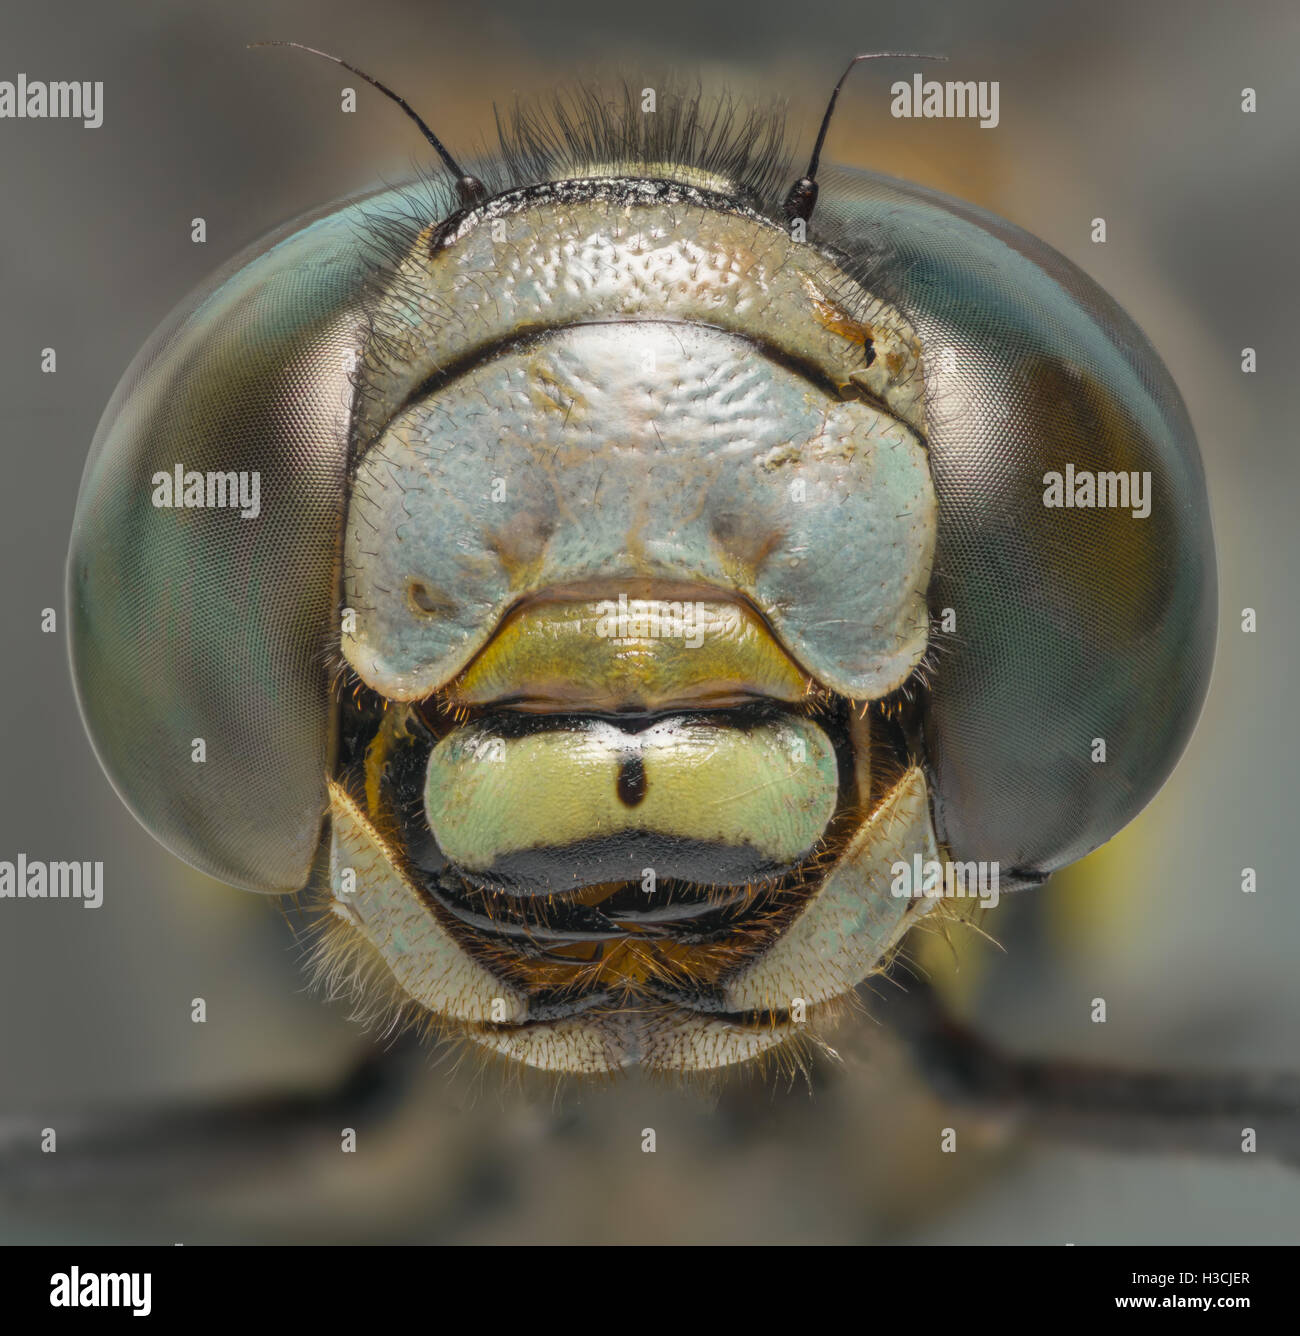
x=631 y=781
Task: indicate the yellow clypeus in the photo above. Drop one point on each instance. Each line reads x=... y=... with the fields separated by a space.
x=655 y=653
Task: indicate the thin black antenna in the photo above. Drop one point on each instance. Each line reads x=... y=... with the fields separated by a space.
x=469 y=188
x=802 y=199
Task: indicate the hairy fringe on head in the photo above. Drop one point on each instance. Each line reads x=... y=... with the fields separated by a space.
x=600 y=130
x=343 y=967
x=589 y=130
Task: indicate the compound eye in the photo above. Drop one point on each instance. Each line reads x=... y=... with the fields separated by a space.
x=197 y=620
x=1074 y=588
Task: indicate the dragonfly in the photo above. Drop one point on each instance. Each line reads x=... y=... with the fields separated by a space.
x=663 y=599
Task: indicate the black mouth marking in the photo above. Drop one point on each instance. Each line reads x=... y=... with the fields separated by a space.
x=631 y=781
x=556 y=869
x=681 y=912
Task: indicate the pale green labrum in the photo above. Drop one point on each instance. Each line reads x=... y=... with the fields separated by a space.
x=770 y=788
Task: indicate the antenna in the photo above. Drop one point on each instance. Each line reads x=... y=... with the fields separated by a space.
x=469 y=188
x=802 y=199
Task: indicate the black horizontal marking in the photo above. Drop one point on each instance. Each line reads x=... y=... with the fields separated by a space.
x=534 y=924
x=501 y=721
x=554 y=869
x=532 y=338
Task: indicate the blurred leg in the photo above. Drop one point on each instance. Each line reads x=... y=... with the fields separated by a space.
x=1094 y=1104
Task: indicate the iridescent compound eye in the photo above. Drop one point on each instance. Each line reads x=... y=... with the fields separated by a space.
x=655 y=589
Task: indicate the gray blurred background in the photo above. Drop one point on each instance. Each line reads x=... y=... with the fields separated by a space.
x=1129 y=112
